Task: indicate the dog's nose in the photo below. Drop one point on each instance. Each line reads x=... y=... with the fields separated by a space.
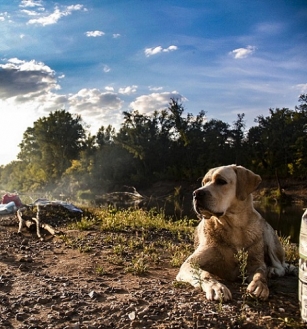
x=198 y=193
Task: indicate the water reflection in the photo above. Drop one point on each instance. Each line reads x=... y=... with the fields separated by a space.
x=286 y=220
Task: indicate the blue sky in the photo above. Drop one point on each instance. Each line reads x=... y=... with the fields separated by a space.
x=98 y=58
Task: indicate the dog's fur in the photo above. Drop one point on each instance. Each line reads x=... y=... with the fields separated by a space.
x=229 y=224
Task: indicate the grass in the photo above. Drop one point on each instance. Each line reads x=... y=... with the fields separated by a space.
x=291 y=250
x=136 y=239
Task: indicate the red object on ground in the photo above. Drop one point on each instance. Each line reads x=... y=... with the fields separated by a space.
x=8 y=197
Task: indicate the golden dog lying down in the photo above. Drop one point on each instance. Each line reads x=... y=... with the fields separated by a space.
x=231 y=224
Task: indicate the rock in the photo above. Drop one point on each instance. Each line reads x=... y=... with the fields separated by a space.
x=93 y=294
x=21 y=316
x=131 y=315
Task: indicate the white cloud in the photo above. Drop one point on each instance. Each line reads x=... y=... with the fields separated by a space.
x=109 y=88
x=116 y=35
x=75 y=7
x=93 y=100
x=30 y=3
x=4 y=16
x=302 y=87
x=243 y=52
x=30 y=12
x=151 y=88
x=96 y=107
x=106 y=69
x=156 y=50
x=154 y=102
x=54 y=17
x=94 y=34
x=128 y=90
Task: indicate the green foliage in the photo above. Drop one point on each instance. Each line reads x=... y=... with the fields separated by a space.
x=51 y=144
x=57 y=153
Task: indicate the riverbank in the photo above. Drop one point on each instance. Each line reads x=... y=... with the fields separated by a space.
x=295 y=191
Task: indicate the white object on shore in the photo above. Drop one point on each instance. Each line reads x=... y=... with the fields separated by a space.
x=302 y=281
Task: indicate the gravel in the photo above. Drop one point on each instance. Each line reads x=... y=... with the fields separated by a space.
x=47 y=284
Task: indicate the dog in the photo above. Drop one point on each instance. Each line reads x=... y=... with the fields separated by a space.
x=230 y=225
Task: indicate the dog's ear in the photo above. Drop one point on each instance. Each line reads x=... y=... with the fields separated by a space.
x=247 y=182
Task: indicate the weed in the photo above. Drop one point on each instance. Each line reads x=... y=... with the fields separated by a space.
x=85 y=248
x=84 y=224
x=120 y=220
x=180 y=284
x=196 y=271
x=119 y=249
x=291 y=250
x=241 y=256
x=178 y=257
x=138 y=265
x=220 y=304
x=115 y=259
x=100 y=270
x=65 y=239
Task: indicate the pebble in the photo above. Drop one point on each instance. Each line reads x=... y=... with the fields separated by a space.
x=131 y=315
x=21 y=316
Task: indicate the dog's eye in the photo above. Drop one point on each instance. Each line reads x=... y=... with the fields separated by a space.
x=205 y=181
x=220 y=181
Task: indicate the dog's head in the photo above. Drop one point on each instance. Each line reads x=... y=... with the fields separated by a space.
x=223 y=187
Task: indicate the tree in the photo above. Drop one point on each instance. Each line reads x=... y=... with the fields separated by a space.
x=53 y=142
x=300 y=145
x=217 y=146
x=237 y=135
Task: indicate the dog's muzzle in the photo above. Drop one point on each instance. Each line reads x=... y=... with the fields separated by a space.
x=201 y=203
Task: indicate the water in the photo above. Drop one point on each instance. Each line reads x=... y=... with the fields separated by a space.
x=286 y=220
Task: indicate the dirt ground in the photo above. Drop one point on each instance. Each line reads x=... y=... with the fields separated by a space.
x=49 y=284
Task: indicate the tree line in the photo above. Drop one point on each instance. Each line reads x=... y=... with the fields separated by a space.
x=58 y=153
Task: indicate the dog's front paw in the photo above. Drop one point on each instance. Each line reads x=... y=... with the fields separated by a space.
x=258 y=289
x=215 y=290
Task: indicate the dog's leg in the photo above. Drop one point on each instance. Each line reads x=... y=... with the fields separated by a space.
x=258 y=286
x=21 y=220
x=191 y=272
x=38 y=223
x=275 y=252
